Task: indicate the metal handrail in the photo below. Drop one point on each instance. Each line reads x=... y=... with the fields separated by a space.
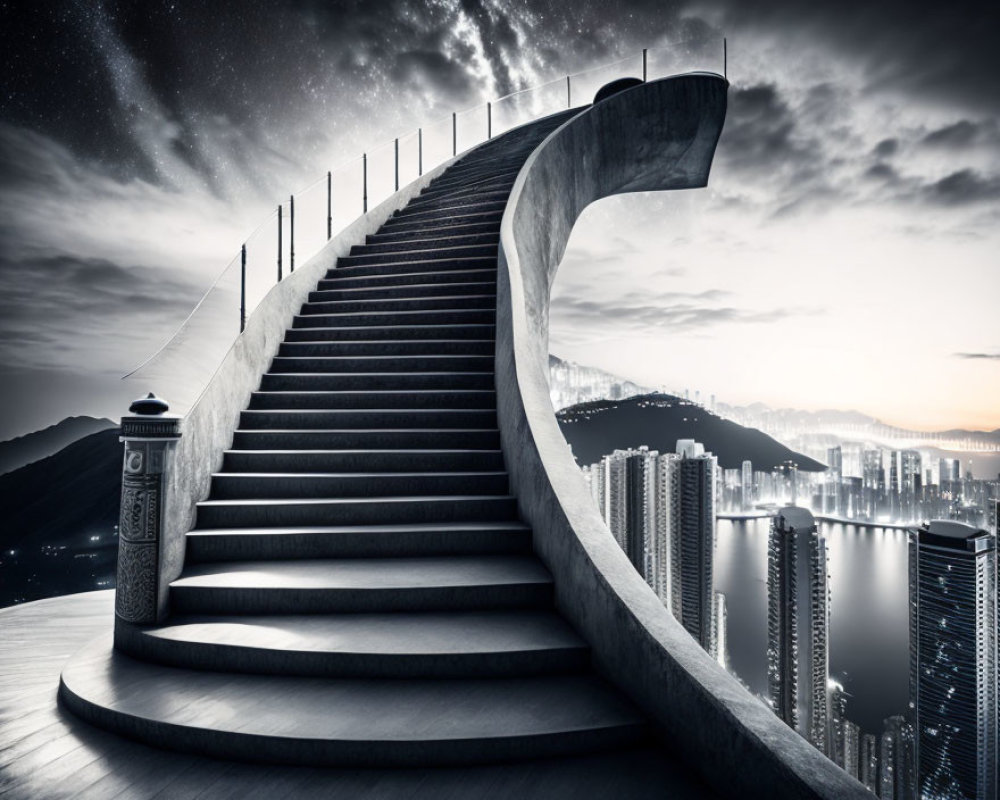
x=345 y=165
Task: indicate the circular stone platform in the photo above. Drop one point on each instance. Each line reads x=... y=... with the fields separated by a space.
x=46 y=752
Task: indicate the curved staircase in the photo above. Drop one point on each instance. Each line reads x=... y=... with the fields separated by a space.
x=359 y=589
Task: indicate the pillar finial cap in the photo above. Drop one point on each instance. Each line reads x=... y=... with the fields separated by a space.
x=150 y=405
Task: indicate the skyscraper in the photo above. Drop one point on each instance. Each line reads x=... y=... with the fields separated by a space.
x=691 y=475
x=897 y=776
x=720 y=646
x=746 y=485
x=872 y=483
x=798 y=625
x=894 y=508
x=834 y=474
x=630 y=494
x=868 y=766
x=910 y=482
x=953 y=668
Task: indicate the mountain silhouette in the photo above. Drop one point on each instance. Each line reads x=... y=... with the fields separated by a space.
x=657 y=420
x=15 y=453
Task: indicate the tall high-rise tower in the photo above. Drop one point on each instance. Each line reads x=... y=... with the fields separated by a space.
x=834 y=476
x=692 y=545
x=897 y=771
x=746 y=486
x=872 y=483
x=798 y=625
x=630 y=508
x=953 y=660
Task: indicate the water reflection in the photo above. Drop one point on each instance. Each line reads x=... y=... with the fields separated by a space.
x=869 y=623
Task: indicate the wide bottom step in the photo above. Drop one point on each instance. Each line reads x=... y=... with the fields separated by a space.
x=320 y=721
x=449 y=644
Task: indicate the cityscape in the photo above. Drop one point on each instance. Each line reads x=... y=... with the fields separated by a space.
x=662 y=508
x=479 y=399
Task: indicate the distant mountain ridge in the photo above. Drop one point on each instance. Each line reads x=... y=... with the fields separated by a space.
x=22 y=450
x=658 y=420
x=57 y=534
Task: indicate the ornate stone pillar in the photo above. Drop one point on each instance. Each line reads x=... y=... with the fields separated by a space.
x=150 y=435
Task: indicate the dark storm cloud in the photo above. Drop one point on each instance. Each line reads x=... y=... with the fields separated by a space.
x=962 y=134
x=882 y=172
x=944 y=51
x=963 y=188
x=433 y=67
x=761 y=136
x=887 y=148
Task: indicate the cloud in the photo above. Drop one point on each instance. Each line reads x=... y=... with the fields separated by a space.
x=979 y=356
x=962 y=188
x=79 y=313
x=887 y=148
x=963 y=134
x=672 y=311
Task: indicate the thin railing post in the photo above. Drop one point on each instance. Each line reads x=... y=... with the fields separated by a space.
x=397 y=163
x=644 y=50
x=243 y=288
x=725 y=59
x=291 y=233
x=329 y=206
x=569 y=95
x=489 y=120
x=420 y=151
x=279 y=244
x=364 y=183
x=454 y=133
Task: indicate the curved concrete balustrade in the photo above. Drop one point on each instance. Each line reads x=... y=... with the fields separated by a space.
x=658 y=136
x=207 y=429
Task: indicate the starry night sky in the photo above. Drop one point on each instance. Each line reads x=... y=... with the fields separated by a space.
x=139 y=141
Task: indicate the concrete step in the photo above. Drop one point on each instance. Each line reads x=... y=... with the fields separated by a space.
x=389 y=347
x=438 y=220
x=370 y=381
x=303 y=461
x=420 y=439
x=444 y=184
x=413 y=267
x=433 y=644
x=354 y=511
x=312 y=485
x=357 y=541
x=449 y=208
x=469 y=193
x=371 y=333
x=361 y=254
x=470 y=170
x=407 y=290
x=362 y=585
x=453 y=301
x=445 y=228
x=403 y=279
x=383 y=363
x=486 y=188
x=347 y=722
x=444 y=398
x=380 y=243
x=381 y=319
x=368 y=418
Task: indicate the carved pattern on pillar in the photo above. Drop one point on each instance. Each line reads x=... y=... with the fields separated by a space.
x=138 y=535
x=137 y=574
x=147 y=440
